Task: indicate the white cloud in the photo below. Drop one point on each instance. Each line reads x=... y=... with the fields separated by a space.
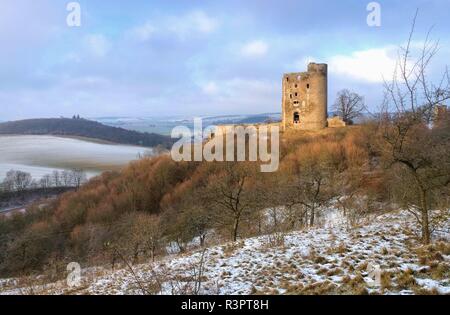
x=243 y=90
x=247 y=95
x=255 y=48
x=98 y=45
x=85 y=82
x=202 y=22
x=143 y=32
x=231 y=96
x=182 y=26
x=192 y=22
x=369 y=65
x=210 y=88
x=302 y=64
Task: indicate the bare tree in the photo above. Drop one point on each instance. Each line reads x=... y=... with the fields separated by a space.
x=138 y=281
x=308 y=183
x=349 y=105
x=45 y=181
x=66 y=178
x=198 y=221
x=148 y=231
x=17 y=180
x=78 y=177
x=230 y=193
x=56 y=178
x=415 y=153
x=309 y=190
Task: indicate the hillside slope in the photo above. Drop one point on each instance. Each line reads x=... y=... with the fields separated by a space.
x=329 y=260
x=83 y=128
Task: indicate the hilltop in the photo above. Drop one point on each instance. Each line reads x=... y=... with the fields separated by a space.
x=314 y=227
x=83 y=128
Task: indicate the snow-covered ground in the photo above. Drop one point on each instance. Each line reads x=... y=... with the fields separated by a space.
x=379 y=257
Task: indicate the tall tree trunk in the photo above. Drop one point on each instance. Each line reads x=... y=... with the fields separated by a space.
x=202 y=240
x=300 y=221
x=425 y=219
x=235 y=229
x=311 y=219
x=136 y=253
x=424 y=210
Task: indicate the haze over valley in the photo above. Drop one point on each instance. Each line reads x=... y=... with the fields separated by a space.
x=40 y=155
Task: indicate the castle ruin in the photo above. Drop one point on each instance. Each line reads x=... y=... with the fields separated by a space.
x=304 y=102
x=305 y=99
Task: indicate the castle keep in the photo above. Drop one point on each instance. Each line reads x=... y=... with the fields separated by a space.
x=305 y=99
x=304 y=102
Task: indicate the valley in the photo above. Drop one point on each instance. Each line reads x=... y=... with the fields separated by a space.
x=40 y=155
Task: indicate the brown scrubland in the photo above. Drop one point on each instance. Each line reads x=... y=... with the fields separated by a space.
x=136 y=213
x=397 y=160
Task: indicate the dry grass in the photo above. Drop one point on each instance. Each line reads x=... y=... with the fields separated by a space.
x=340 y=249
x=334 y=272
x=274 y=240
x=353 y=286
x=423 y=291
x=316 y=258
x=318 y=288
x=441 y=271
x=231 y=248
x=386 y=281
x=362 y=266
x=406 y=280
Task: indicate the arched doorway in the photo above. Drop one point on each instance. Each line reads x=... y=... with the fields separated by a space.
x=296 y=118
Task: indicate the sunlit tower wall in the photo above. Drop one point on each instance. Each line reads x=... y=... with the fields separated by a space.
x=305 y=99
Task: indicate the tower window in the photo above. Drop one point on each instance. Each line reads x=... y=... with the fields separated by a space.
x=296 y=118
x=290 y=95
x=296 y=94
x=307 y=86
x=296 y=86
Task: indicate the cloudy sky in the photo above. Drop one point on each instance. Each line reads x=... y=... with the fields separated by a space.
x=196 y=57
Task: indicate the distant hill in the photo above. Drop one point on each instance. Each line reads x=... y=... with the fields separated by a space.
x=244 y=119
x=80 y=127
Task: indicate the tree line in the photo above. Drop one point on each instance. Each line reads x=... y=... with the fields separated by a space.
x=17 y=181
x=84 y=128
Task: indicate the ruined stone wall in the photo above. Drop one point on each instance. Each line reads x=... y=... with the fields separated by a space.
x=336 y=122
x=224 y=129
x=305 y=99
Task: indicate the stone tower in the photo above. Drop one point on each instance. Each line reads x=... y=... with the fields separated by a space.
x=305 y=99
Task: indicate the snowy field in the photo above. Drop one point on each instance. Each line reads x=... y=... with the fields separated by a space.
x=40 y=155
x=379 y=257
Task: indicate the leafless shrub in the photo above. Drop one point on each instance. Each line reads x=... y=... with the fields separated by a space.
x=162 y=279
x=276 y=239
x=414 y=148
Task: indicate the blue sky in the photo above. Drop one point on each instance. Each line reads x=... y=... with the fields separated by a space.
x=196 y=57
